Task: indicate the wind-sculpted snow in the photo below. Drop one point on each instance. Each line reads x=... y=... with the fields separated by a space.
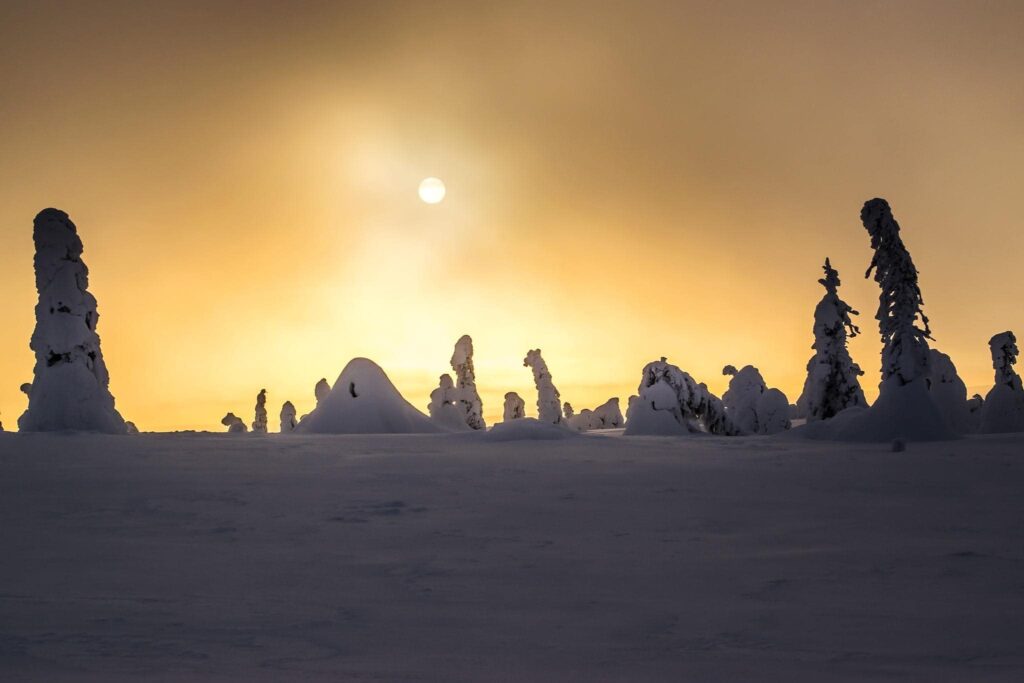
x=70 y=386
x=670 y=402
x=1003 y=410
x=235 y=424
x=364 y=401
x=549 y=407
x=751 y=406
x=832 y=383
x=528 y=429
x=608 y=415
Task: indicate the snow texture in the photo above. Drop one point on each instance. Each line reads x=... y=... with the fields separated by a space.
x=70 y=386
x=752 y=407
x=199 y=557
x=1003 y=410
x=288 y=421
x=832 y=383
x=259 y=425
x=549 y=407
x=515 y=407
x=670 y=402
x=528 y=429
x=364 y=401
x=234 y=424
x=465 y=382
x=446 y=407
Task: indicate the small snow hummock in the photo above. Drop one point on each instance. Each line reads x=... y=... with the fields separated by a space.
x=528 y=429
x=832 y=383
x=752 y=407
x=288 y=421
x=234 y=424
x=465 y=382
x=364 y=401
x=1003 y=409
x=446 y=407
x=515 y=407
x=549 y=407
x=70 y=386
x=670 y=402
x=259 y=424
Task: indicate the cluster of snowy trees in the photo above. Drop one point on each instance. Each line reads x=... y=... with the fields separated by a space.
x=921 y=395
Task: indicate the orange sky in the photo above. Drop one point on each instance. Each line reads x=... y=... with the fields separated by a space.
x=625 y=181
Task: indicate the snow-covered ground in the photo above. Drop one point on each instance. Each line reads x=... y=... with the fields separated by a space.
x=455 y=558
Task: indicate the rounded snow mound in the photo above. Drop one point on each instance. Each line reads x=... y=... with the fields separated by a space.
x=364 y=401
x=528 y=429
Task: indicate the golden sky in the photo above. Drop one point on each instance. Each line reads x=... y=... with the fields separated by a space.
x=626 y=180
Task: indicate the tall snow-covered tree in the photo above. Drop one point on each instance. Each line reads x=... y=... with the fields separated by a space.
x=465 y=382
x=515 y=407
x=288 y=420
x=549 y=407
x=900 y=305
x=669 y=401
x=70 y=386
x=1003 y=409
x=259 y=424
x=832 y=383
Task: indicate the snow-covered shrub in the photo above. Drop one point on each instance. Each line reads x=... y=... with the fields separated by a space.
x=70 y=386
x=949 y=392
x=288 y=421
x=832 y=383
x=671 y=402
x=568 y=411
x=234 y=424
x=751 y=406
x=321 y=390
x=1003 y=410
x=259 y=424
x=608 y=415
x=364 y=401
x=515 y=407
x=549 y=408
x=465 y=382
x=446 y=407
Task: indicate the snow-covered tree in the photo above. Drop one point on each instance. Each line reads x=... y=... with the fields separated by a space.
x=670 y=401
x=515 y=407
x=831 y=385
x=259 y=424
x=234 y=424
x=752 y=407
x=567 y=410
x=465 y=382
x=446 y=407
x=549 y=407
x=70 y=390
x=609 y=415
x=1003 y=410
x=948 y=391
x=130 y=428
x=288 y=421
x=321 y=390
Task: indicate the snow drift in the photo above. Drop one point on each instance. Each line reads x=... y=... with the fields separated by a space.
x=364 y=401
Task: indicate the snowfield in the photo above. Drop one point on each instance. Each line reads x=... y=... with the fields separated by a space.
x=199 y=557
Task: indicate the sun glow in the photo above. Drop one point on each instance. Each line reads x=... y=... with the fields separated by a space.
x=432 y=190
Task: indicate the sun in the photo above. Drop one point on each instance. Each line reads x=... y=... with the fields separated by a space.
x=432 y=190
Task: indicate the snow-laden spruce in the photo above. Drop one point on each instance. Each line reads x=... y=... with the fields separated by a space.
x=670 y=402
x=832 y=383
x=514 y=408
x=364 y=401
x=288 y=421
x=949 y=392
x=70 y=386
x=752 y=407
x=905 y=408
x=549 y=407
x=1003 y=410
x=259 y=424
x=234 y=424
x=446 y=407
x=465 y=382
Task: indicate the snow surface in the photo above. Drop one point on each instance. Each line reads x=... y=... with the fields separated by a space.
x=364 y=401
x=451 y=558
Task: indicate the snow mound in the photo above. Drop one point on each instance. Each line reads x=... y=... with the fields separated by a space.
x=364 y=401
x=528 y=429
